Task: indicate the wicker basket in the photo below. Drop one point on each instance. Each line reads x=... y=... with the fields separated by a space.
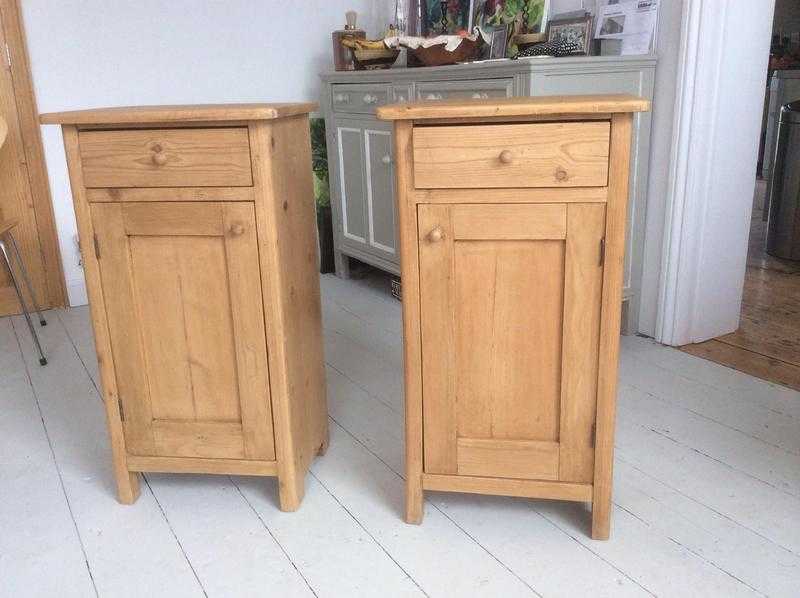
x=438 y=56
x=370 y=60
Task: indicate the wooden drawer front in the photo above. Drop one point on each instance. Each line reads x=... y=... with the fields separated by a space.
x=477 y=90
x=166 y=158
x=359 y=99
x=570 y=154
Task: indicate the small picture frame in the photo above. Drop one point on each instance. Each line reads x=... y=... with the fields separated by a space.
x=499 y=42
x=573 y=31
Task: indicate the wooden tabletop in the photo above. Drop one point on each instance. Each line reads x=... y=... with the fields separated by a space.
x=519 y=106
x=177 y=113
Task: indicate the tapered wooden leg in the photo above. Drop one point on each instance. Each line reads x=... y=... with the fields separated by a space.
x=127 y=486
x=342 y=264
x=291 y=488
x=601 y=515
x=414 y=499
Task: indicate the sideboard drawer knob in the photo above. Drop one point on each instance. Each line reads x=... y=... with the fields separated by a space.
x=561 y=174
x=236 y=229
x=387 y=159
x=436 y=235
x=341 y=98
x=506 y=157
x=370 y=99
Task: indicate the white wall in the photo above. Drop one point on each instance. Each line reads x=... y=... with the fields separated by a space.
x=709 y=203
x=91 y=53
x=668 y=45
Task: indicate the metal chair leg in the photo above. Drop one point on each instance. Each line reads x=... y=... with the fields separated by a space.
x=7 y=258
x=27 y=280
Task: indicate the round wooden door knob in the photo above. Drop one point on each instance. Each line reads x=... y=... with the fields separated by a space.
x=506 y=157
x=159 y=158
x=561 y=174
x=436 y=235
x=236 y=230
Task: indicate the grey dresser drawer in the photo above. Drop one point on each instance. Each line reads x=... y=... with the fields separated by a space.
x=360 y=98
x=477 y=89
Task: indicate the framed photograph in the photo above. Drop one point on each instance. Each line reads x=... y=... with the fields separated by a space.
x=574 y=32
x=499 y=43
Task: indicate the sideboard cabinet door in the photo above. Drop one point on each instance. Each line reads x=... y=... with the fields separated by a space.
x=182 y=291
x=510 y=299
x=351 y=179
x=380 y=191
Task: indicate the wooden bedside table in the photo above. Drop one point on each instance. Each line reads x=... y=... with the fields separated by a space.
x=198 y=235
x=512 y=218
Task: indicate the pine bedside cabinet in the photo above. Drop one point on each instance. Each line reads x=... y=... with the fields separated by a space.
x=198 y=236
x=512 y=214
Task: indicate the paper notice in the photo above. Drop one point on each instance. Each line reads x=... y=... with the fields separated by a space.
x=633 y=22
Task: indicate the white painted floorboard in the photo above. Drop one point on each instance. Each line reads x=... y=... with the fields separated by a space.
x=706 y=499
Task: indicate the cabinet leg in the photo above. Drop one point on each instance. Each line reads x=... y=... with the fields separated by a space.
x=127 y=487
x=291 y=489
x=342 y=264
x=414 y=499
x=601 y=516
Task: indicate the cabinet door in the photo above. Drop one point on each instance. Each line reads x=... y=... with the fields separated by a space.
x=182 y=290
x=510 y=322
x=380 y=191
x=351 y=179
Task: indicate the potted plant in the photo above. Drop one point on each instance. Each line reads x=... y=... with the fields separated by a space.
x=322 y=194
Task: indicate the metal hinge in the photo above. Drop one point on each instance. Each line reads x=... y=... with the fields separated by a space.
x=8 y=56
x=96 y=247
x=121 y=410
x=594 y=435
x=602 y=251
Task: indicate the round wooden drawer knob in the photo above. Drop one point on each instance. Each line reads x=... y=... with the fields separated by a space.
x=506 y=157
x=159 y=158
x=436 y=235
x=236 y=230
x=561 y=174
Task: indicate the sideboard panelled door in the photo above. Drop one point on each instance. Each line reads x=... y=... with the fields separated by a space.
x=351 y=179
x=510 y=304
x=192 y=379
x=366 y=179
x=381 y=219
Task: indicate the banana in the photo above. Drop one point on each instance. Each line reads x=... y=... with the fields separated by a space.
x=363 y=44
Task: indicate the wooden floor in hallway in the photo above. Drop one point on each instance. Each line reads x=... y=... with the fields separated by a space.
x=767 y=343
x=706 y=498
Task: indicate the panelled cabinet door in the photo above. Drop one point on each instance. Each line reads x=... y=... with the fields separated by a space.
x=182 y=290
x=351 y=178
x=380 y=191
x=510 y=322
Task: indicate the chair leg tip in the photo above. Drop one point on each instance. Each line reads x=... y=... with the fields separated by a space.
x=42 y=361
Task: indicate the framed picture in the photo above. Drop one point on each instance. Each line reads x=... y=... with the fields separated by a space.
x=448 y=17
x=525 y=16
x=575 y=32
x=499 y=42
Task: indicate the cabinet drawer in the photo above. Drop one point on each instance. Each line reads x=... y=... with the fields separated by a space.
x=569 y=154
x=477 y=90
x=166 y=158
x=359 y=99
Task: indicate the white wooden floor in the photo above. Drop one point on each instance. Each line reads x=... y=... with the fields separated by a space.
x=707 y=489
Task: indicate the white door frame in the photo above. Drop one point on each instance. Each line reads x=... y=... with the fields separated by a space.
x=719 y=101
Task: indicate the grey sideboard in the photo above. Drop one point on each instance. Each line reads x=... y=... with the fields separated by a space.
x=360 y=147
